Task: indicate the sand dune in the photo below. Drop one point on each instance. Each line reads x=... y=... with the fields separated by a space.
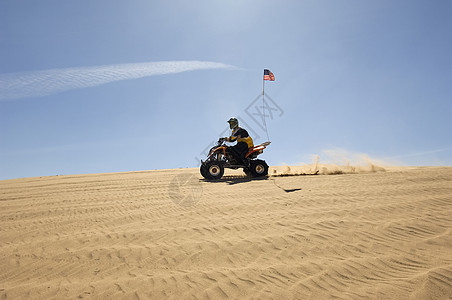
x=168 y=234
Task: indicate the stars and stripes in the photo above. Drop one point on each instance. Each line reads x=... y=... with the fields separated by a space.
x=268 y=75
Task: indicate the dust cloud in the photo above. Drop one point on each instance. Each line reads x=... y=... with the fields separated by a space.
x=333 y=162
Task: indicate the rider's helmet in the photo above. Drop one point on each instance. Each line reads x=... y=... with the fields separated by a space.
x=233 y=123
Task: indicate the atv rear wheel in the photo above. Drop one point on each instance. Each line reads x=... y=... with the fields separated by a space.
x=258 y=168
x=214 y=170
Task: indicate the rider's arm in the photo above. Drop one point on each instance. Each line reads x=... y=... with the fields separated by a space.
x=231 y=138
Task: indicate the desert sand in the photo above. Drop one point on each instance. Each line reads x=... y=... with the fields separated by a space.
x=169 y=234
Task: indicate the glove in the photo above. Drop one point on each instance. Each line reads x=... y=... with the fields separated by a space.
x=221 y=140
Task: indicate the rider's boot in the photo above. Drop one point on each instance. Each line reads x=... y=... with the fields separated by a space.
x=246 y=162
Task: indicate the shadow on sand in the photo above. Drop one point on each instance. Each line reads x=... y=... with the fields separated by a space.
x=235 y=179
x=231 y=180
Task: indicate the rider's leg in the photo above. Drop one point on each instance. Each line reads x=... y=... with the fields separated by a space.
x=242 y=148
x=238 y=151
x=232 y=151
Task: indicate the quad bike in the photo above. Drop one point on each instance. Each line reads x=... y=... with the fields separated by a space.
x=219 y=159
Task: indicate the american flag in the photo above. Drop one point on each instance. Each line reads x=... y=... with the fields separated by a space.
x=268 y=75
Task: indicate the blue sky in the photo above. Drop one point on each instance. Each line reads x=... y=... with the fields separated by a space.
x=108 y=86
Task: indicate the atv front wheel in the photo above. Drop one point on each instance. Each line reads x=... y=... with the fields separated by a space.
x=258 y=168
x=214 y=170
x=203 y=171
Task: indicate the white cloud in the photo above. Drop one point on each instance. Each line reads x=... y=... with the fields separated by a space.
x=47 y=82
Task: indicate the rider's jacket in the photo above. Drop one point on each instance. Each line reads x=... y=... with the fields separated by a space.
x=241 y=135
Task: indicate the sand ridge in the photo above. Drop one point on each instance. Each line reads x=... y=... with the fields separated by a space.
x=168 y=234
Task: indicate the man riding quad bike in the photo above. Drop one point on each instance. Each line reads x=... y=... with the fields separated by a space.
x=242 y=155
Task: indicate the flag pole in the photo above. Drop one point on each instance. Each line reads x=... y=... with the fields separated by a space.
x=263 y=105
x=263 y=99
